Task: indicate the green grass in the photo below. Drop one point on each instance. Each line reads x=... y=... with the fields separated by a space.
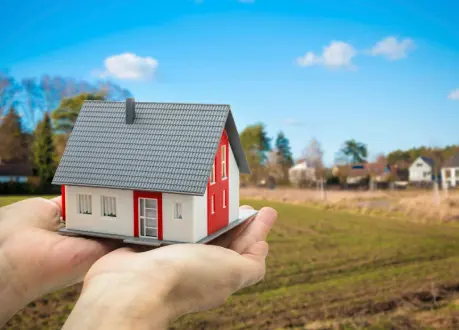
x=327 y=268
x=6 y=200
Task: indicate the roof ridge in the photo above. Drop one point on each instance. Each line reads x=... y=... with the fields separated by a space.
x=145 y=102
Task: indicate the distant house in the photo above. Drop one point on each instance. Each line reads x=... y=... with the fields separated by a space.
x=363 y=173
x=450 y=172
x=14 y=172
x=422 y=170
x=301 y=173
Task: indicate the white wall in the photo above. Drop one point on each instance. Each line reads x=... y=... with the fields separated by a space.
x=418 y=170
x=200 y=216
x=181 y=230
x=453 y=176
x=123 y=224
x=233 y=199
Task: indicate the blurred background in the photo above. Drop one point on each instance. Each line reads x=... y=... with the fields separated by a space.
x=347 y=112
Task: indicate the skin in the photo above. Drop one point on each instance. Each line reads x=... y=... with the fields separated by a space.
x=129 y=287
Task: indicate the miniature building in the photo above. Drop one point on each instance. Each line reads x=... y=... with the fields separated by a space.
x=152 y=173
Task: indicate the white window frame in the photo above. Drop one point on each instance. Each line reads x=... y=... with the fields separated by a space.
x=84 y=204
x=212 y=204
x=143 y=218
x=224 y=198
x=224 y=160
x=212 y=175
x=178 y=211
x=108 y=206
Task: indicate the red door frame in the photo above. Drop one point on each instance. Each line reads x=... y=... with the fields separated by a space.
x=220 y=218
x=153 y=195
x=63 y=202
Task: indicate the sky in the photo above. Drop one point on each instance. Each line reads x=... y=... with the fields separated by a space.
x=385 y=73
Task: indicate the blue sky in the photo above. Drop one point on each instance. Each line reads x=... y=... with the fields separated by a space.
x=382 y=72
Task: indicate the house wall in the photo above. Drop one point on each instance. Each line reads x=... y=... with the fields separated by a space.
x=233 y=200
x=420 y=171
x=453 y=179
x=182 y=230
x=200 y=216
x=122 y=224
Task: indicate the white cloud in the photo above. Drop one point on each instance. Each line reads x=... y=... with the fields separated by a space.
x=129 y=66
x=392 y=49
x=338 y=54
x=454 y=95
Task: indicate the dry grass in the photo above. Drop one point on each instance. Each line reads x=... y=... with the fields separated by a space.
x=413 y=205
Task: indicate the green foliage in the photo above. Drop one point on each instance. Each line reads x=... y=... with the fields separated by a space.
x=354 y=152
x=43 y=151
x=439 y=155
x=65 y=115
x=256 y=144
x=13 y=146
x=284 y=150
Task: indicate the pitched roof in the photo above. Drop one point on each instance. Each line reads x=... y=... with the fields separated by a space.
x=428 y=160
x=453 y=161
x=170 y=147
x=364 y=169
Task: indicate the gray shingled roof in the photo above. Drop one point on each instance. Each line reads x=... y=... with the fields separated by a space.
x=169 y=147
x=453 y=161
x=429 y=161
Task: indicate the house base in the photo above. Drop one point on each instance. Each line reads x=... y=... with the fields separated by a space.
x=244 y=215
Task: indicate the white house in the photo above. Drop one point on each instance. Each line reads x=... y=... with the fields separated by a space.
x=152 y=173
x=450 y=172
x=422 y=170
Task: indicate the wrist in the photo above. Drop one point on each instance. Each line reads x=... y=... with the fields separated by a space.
x=120 y=303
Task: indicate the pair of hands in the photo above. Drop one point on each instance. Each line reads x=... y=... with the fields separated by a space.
x=123 y=288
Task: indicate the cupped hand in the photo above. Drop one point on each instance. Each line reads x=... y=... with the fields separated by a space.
x=34 y=259
x=147 y=290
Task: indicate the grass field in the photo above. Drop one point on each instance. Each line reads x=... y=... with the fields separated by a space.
x=327 y=270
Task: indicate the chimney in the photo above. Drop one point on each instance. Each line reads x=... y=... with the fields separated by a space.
x=130 y=110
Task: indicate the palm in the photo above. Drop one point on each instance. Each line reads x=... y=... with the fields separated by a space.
x=41 y=259
x=239 y=255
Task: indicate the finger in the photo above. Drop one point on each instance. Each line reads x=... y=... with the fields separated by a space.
x=34 y=212
x=257 y=231
x=57 y=261
x=226 y=239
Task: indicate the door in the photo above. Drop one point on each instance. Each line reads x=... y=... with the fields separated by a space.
x=148 y=217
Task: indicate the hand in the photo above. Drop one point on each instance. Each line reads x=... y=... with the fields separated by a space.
x=34 y=259
x=148 y=290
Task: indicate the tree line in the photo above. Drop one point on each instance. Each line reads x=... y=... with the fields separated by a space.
x=41 y=142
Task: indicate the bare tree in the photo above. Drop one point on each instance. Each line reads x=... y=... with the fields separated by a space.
x=313 y=155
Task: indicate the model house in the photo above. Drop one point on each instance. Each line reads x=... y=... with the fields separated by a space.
x=450 y=172
x=422 y=170
x=152 y=173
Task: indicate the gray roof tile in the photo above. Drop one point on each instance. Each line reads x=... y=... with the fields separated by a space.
x=169 y=148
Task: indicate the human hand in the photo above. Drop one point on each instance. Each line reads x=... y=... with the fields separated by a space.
x=148 y=290
x=34 y=259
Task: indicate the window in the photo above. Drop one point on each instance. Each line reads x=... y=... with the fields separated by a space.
x=178 y=211
x=224 y=198
x=212 y=204
x=419 y=164
x=84 y=203
x=212 y=175
x=224 y=174
x=108 y=206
